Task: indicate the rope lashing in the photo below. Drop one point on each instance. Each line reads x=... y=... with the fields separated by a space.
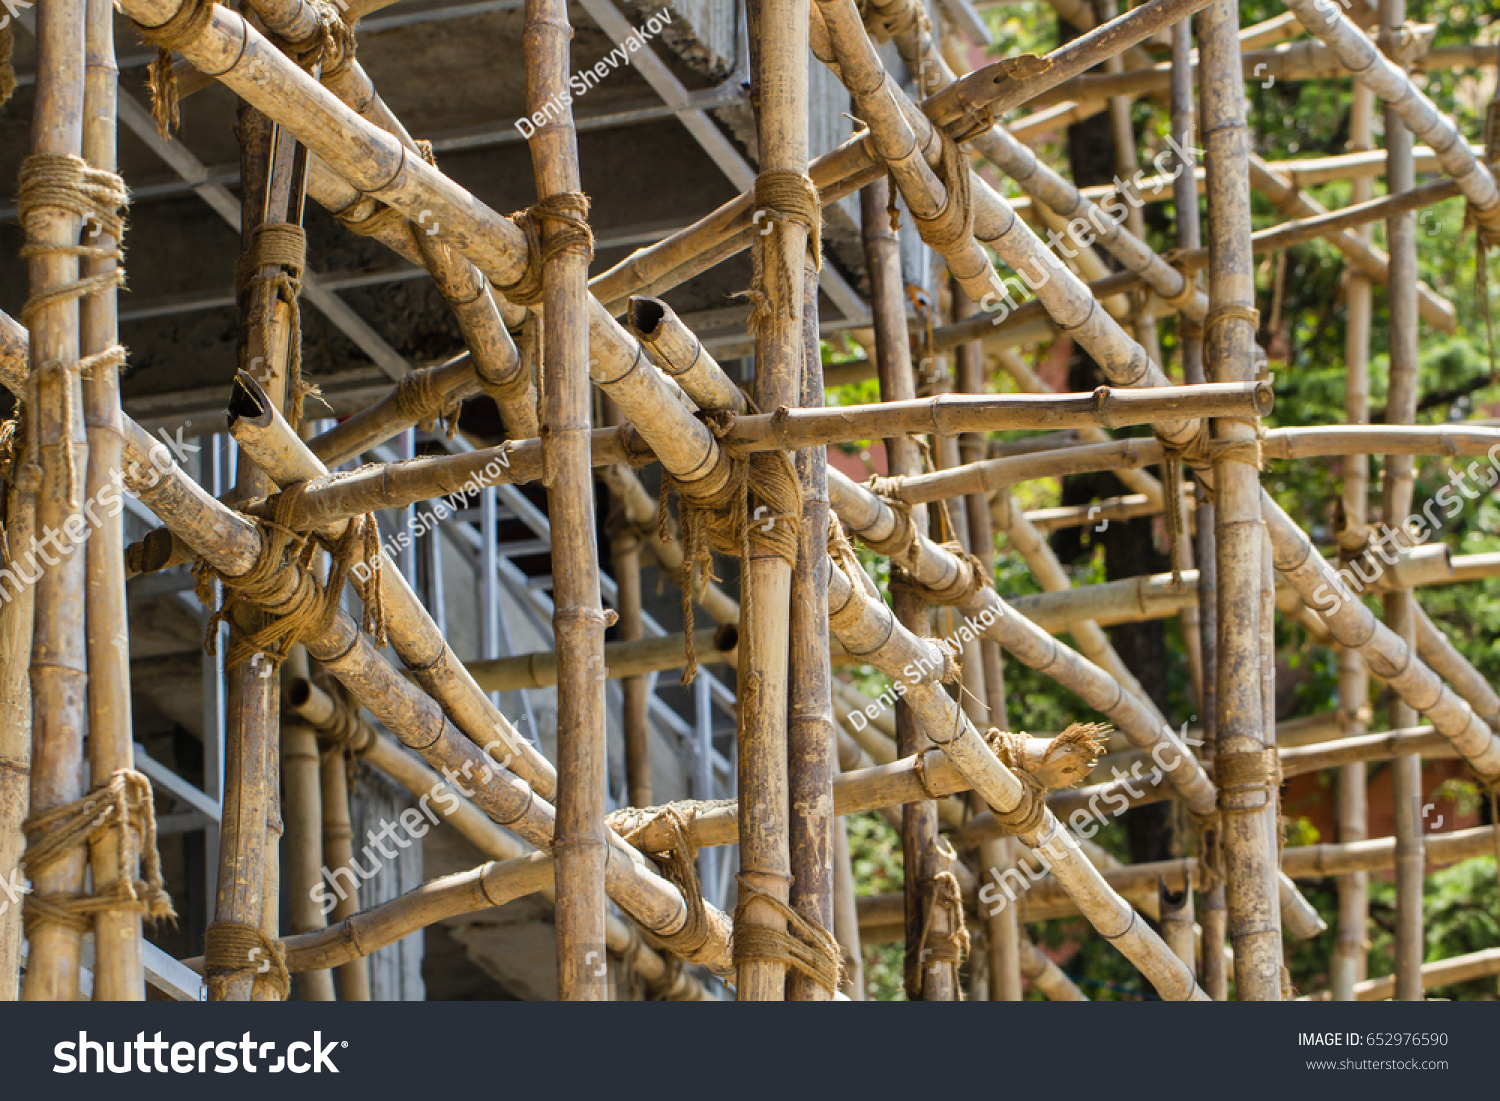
x=54 y=181
x=183 y=29
x=782 y=197
x=941 y=894
x=233 y=950
x=1064 y=761
x=968 y=584
x=568 y=212
x=277 y=255
x=374 y=224
x=423 y=403
x=1244 y=776
x=123 y=807
x=282 y=584
x=330 y=45
x=679 y=865
x=805 y=946
x=756 y=512
x=884 y=22
x=1182 y=301
x=953 y=225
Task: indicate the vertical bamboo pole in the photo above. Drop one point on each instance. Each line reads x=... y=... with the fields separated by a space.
x=811 y=739
x=15 y=719
x=304 y=844
x=1189 y=236
x=59 y=669
x=118 y=974
x=897 y=383
x=578 y=618
x=1348 y=965
x=779 y=77
x=250 y=810
x=846 y=913
x=1229 y=341
x=338 y=851
x=626 y=547
x=1396 y=500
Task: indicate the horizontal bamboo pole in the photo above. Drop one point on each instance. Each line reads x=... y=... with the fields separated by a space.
x=1455 y=969
x=621 y=659
x=873 y=521
x=1304 y=60
x=1365 y=747
x=990 y=475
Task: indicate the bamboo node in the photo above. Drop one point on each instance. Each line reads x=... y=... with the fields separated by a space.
x=805 y=946
x=184 y=28
x=232 y=949
x=968 y=585
x=122 y=806
x=330 y=45
x=568 y=212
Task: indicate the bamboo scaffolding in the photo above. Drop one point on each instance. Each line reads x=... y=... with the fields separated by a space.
x=865 y=625
x=1456 y=969
x=54 y=401
x=15 y=715
x=338 y=850
x=304 y=845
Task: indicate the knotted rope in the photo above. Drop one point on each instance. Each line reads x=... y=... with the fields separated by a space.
x=285 y=561
x=884 y=22
x=183 y=29
x=233 y=949
x=805 y=946
x=679 y=865
x=755 y=512
x=123 y=807
x=277 y=255
x=782 y=197
x=330 y=45
x=953 y=225
x=1240 y=777
x=1200 y=453
x=568 y=213
x=1065 y=761
x=941 y=894
x=53 y=181
x=422 y=402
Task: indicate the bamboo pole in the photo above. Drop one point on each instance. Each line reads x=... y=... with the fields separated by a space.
x=626 y=547
x=1396 y=501
x=15 y=711
x=118 y=974
x=1046 y=976
x=1409 y=104
x=865 y=625
x=1249 y=813
x=578 y=619
x=54 y=401
x=338 y=852
x=304 y=845
x=1455 y=969
x=250 y=816
x=811 y=741
x=846 y=914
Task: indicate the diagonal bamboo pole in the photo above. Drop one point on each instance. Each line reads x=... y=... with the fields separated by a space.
x=59 y=667
x=865 y=625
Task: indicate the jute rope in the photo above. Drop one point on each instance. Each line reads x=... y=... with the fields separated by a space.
x=805 y=946
x=311 y=608
x=53 y=181
x=782 y=197
x=953 y=225
x=123 y=807
x=941 y=894
x=757 y=511
x=679 y=865
x=421 y=402
x=885 y=22
x=183 y=29
x=330 y=45
x=233 y=949
x=277 y=255
x=567 y=212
